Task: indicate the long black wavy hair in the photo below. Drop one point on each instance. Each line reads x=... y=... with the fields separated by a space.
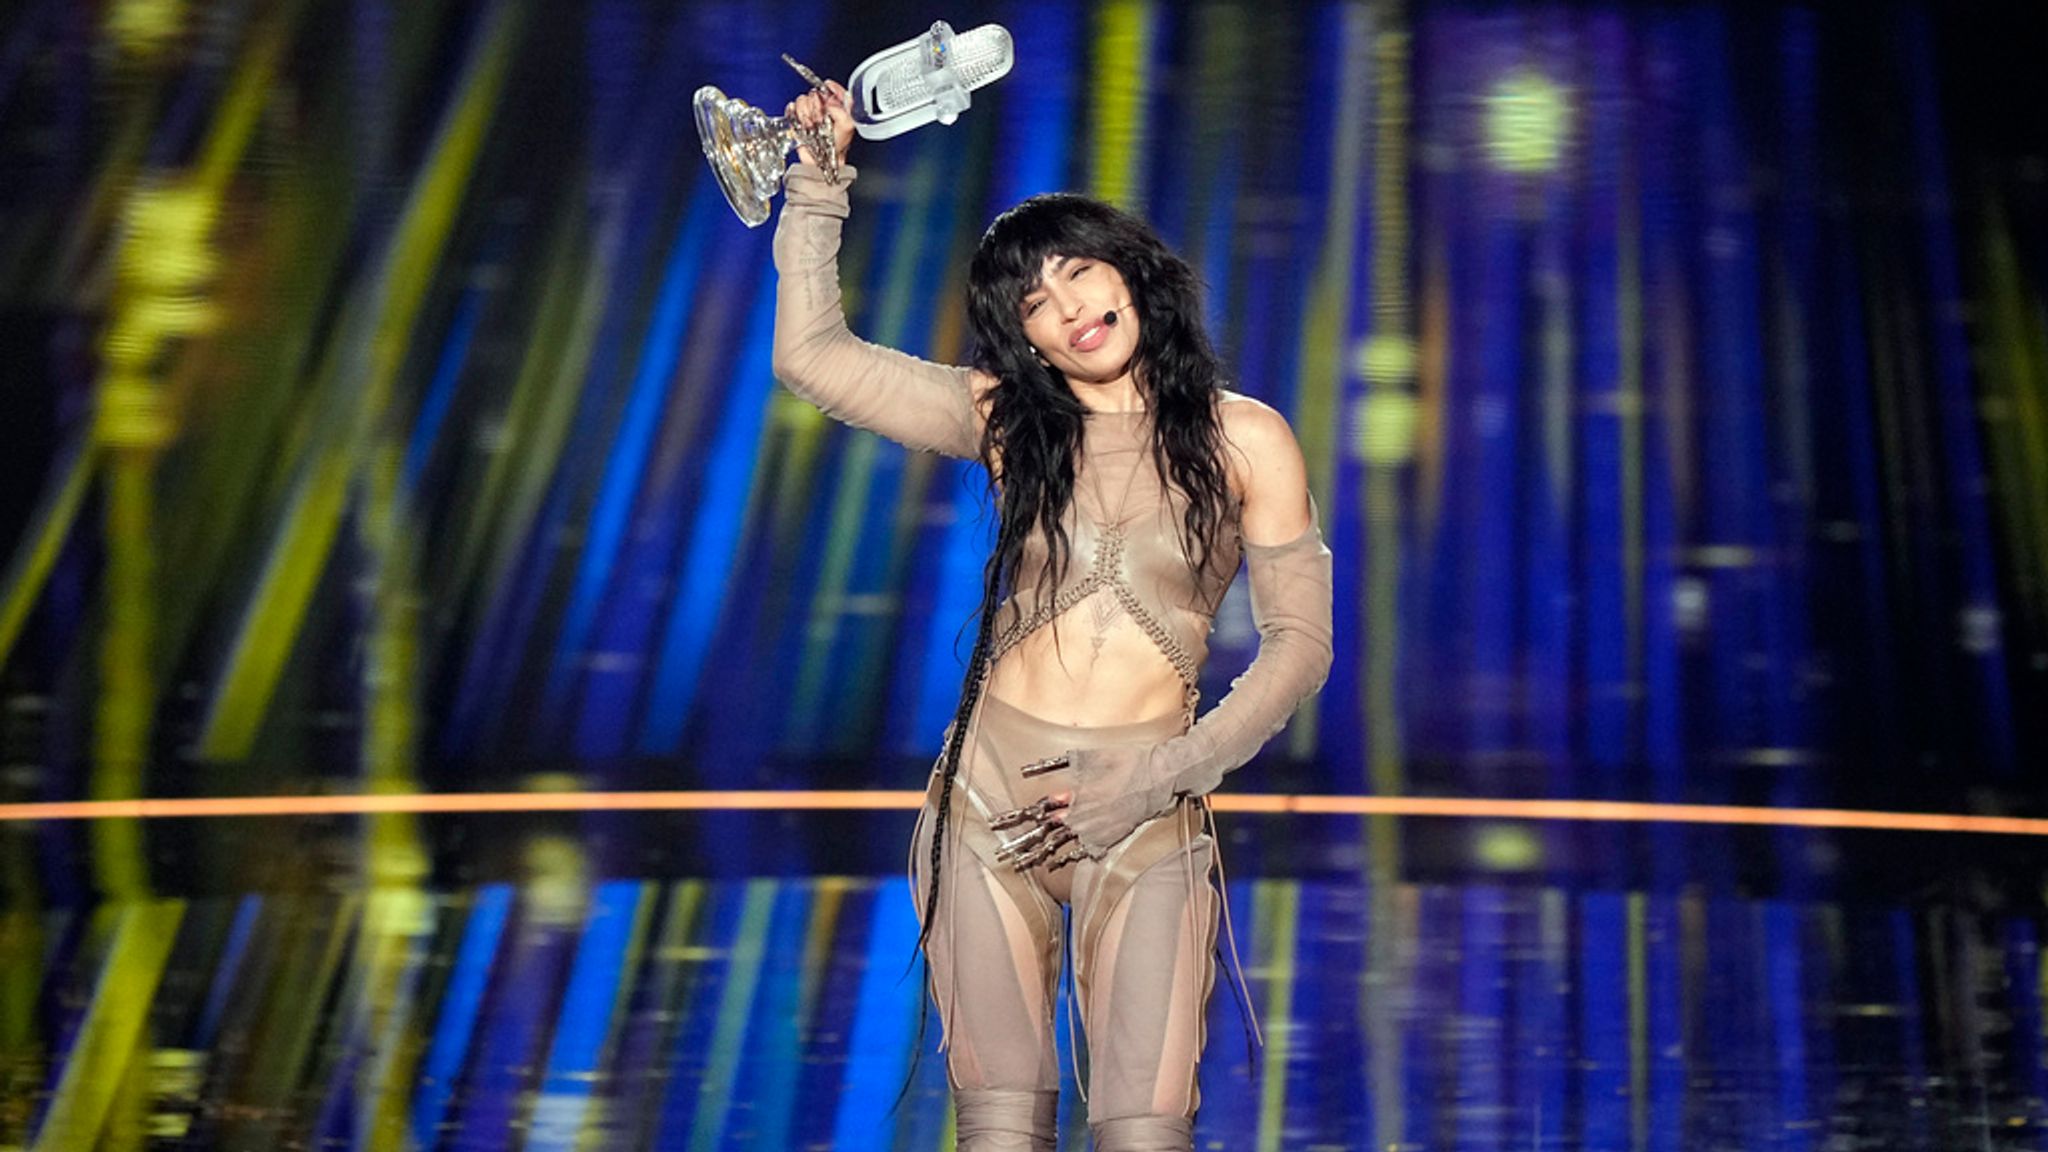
x=1032 y=440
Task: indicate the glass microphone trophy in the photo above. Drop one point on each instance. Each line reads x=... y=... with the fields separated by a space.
x=893 y=91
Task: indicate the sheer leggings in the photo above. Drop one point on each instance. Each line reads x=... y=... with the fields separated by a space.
x=1143 y=939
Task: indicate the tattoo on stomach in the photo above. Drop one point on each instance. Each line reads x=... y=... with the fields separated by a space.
x=1104 y=612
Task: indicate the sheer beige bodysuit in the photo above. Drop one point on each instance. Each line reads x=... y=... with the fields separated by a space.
x=1144 y=915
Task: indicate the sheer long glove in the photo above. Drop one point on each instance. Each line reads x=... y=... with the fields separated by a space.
x=1118 y=788
x=919 y=404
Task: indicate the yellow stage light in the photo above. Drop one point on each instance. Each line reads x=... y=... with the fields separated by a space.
x=1528 y=116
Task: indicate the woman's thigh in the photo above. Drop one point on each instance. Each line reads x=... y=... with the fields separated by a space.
x=994 y=951
x=1147 y=967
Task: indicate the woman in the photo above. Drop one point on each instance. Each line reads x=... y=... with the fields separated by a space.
x=1128 y=484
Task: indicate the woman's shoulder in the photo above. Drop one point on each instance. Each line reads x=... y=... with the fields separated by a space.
x=1259 y=447
x=1251 y=425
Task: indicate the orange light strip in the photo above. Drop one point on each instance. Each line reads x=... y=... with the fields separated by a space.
x=1604 y=811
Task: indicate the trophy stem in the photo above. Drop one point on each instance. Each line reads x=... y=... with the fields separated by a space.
x=818 y=138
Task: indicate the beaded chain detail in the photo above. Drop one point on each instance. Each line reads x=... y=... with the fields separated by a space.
x=1106 y=572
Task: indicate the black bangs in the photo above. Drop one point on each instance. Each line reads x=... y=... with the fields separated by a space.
x=1013 y=251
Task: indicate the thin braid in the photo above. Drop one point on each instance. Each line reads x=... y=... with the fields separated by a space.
x=970 y=694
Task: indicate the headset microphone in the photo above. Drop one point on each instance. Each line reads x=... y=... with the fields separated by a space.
x=1110 y=318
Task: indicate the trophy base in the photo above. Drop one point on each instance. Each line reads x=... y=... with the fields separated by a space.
x=746 y=149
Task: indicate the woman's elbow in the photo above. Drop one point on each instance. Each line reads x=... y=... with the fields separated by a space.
x=1323 y=633
x=1316 y=664
x=1319 y=654
x=797 y=372
x=786 y=363
x=1309 y=657
x=798 y=358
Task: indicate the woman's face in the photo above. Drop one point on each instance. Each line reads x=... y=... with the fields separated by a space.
x=1066 y=314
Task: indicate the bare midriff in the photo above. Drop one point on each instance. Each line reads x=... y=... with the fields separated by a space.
x=1074 y=683
x=1116 y=641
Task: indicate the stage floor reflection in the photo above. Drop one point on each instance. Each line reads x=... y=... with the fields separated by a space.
x=783 y=1012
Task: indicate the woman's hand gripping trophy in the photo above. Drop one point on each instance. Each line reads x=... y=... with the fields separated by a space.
x=827 y=103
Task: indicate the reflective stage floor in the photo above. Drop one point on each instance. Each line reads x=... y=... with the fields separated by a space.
x=1506 y=987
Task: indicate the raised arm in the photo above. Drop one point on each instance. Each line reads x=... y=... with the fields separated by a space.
x=926 y=406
